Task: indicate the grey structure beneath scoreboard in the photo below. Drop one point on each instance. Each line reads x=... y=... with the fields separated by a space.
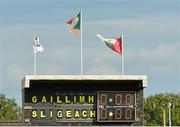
x=106 y=100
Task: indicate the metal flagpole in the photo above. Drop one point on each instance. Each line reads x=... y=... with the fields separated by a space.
x=81 y=45
x=122 y=57
x=35 y=51
x=169 y=106
x=34 y=63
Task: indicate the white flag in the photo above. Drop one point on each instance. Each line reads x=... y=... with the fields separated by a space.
x=37 y=47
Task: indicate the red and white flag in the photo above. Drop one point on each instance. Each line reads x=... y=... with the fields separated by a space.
x=115 y=44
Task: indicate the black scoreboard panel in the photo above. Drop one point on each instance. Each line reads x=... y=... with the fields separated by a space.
x=83 y=102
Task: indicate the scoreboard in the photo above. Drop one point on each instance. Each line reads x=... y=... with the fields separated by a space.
x=105 y=100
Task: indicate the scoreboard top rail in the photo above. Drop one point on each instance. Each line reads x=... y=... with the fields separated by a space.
x=26 y=80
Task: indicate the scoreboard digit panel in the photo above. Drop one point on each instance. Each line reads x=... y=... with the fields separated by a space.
x=116 y=106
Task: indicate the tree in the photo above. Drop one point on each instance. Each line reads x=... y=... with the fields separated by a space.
x=9 y=110
x=153 y=109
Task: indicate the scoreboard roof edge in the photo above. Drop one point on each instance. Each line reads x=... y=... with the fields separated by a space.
x=27 y=78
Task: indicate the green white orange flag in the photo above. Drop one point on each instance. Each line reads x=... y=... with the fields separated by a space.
x=76 y=21
x=114 y=44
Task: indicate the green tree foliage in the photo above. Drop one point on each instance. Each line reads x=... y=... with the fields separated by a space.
x=9 y=110
x=153 y=109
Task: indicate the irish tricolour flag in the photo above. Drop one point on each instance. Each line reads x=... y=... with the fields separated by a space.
x=76 y=21
x=115 y=44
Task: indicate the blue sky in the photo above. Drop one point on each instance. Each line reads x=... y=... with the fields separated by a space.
x=151 y=30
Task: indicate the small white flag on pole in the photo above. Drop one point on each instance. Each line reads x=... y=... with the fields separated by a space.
x=37 y=47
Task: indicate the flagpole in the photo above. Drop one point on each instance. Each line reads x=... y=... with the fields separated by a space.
x=34 y=63
x=122 y=57
x=81 y=45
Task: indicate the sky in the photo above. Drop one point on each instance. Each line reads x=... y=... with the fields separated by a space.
x=150 y=28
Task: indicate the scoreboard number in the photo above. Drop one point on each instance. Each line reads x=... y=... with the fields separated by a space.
x=116 y=106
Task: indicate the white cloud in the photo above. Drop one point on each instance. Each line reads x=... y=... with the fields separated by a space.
x=138 y=23
x=13 y=75
x=156 y=54
x=161 y=60
x=101 y=69
x=143 y=28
